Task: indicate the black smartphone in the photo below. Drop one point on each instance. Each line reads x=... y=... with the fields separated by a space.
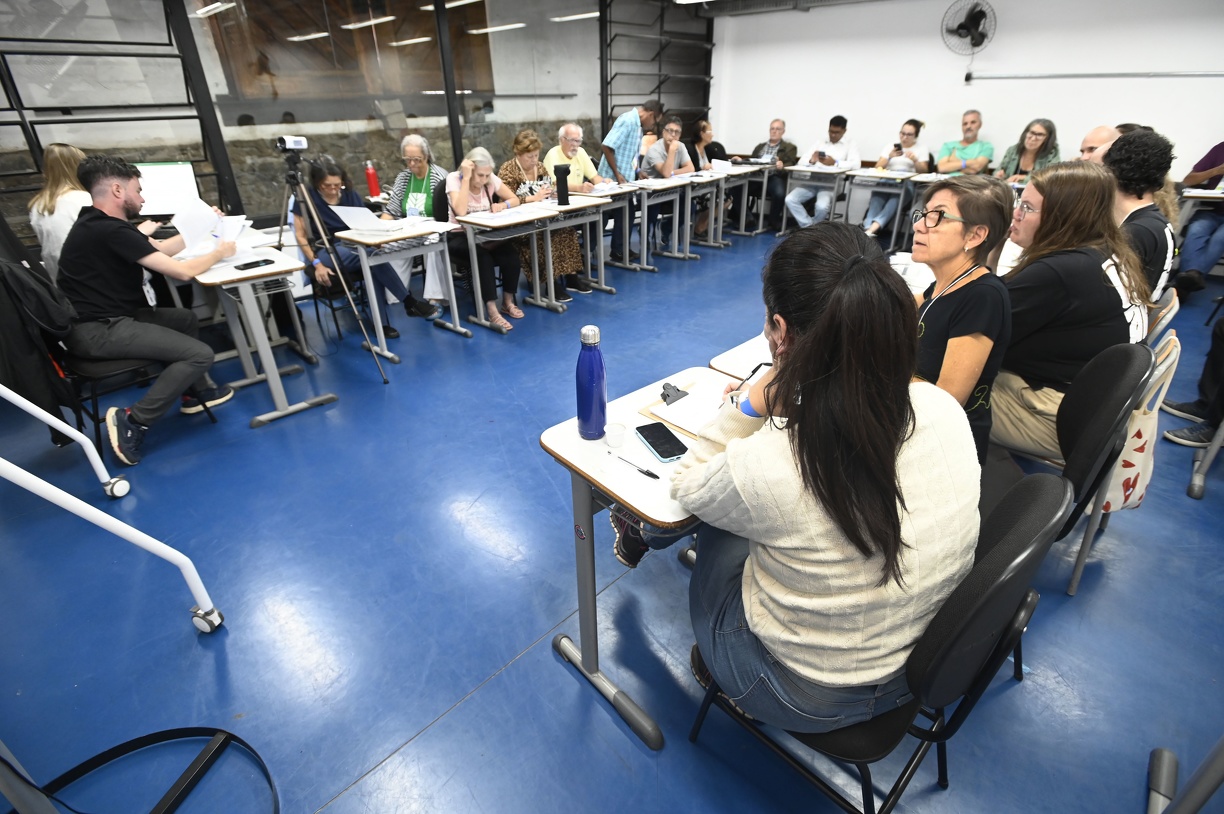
x=661 y=441
x=897 y=146
x=820 y=155
x=254 y=264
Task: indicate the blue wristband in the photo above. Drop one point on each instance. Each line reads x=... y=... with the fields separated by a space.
x=745 y=405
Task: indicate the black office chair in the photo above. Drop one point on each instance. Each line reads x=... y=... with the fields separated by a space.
x=957 y=657
x=94 y=378
x=1091 y=426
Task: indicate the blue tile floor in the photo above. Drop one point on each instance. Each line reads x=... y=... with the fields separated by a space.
x=393 y=567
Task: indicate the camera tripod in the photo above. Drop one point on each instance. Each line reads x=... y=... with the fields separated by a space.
x=295 y=186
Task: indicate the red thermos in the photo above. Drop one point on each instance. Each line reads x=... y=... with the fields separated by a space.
x=372 y=180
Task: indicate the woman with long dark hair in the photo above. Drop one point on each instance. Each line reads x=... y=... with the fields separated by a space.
x=839 y=496
x=1036 y=149
x=1077 y=289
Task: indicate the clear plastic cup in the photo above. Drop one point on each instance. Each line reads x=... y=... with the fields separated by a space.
x=614 y=434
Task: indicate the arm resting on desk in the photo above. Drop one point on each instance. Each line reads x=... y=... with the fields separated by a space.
x=1196 y=178
x=704 y=483
x=188 y=269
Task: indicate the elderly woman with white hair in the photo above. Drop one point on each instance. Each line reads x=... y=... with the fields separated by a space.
x=412 y=196
x=473 y=188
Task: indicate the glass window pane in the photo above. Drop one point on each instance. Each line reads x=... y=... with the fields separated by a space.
x=161 y=140
x=59 y=81
x=15 y=157
x=126 y=21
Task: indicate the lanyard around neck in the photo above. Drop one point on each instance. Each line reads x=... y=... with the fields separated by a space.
x=927 y=305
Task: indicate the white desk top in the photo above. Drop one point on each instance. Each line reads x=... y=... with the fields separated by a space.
x=662 y=183
x=746 y=169
x=872 y=172
x=610 y=192
x=928 y=177
x=820 y=168
x=1204 y=194
x=740 y=360
x=228 y=274
x=646 y=497
x=409 y=231
x=706 y=177
x=577 y=203
x=514 y=216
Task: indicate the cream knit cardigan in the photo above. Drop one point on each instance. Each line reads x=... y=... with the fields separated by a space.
x=811 y=598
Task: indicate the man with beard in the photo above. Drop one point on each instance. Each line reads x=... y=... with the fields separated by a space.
x=103 y=273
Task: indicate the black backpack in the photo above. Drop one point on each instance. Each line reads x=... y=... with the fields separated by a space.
x=46 y=305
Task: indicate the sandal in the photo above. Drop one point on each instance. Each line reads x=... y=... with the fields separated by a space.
x=499 y=322
x=513 y=311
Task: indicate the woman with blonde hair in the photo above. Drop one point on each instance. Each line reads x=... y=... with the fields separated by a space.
x=528 y=179
x=1077 y=289
x=54 y=209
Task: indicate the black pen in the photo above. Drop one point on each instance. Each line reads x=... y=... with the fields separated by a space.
x=645 y=472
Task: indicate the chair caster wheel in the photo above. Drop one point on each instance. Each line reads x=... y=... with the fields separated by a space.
x=117 y=487
x=206 y=621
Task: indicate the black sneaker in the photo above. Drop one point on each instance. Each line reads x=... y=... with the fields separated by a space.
x=563 y=295
x=390 y=332
x=126 y=435
x=194 y=400
x=580 y=285
x=420 y=308
x=1195 y=411
x=1198 y=436
x=629 y=546
x=1189 y=281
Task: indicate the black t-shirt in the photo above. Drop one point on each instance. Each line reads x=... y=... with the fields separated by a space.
x=980 y=307
x=1151 y=237
x=1065 y=311
x=99 y=268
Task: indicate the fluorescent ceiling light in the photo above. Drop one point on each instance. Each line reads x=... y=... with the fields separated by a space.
x=451 y=4
x=590 y=15
x=440 y=92
x=367 y=23
x=411 y=42
x=493 y=29
x=303 y=37
x=214 y=8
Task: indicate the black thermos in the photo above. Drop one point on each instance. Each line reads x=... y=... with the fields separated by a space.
x=562 y=173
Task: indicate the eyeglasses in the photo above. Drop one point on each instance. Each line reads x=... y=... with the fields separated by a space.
x=331 y=186
x=1024 y=208
x=672 y=131
x=569 y=140
x=1036 y=134
x=413 y=159
x=933 y=217
x=907 y=135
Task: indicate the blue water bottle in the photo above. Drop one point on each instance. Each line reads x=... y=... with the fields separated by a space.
x=592 y=378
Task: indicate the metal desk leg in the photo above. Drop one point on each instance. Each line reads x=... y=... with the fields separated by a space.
x=551 y=302
x=238 y=330
x=375 y=308
x=452 y=325
x=896 y=224
x=586 y=659
x=594 y=229
x=250 y=307
x=643 y=263
x=625 y=217
x=790 y=183
x=481 y=317
x=765 y=200
x=687 y=224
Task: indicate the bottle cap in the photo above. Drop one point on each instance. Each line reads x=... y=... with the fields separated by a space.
x=590 y=334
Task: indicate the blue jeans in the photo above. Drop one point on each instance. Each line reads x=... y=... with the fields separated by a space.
x=1204 y=242
x=799 y=196
x=881 y=209
x=747 y=672
x=384 y=277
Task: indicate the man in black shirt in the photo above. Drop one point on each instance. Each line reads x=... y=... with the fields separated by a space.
x=102 y=271
x=1208 y=410
x=1140 y=160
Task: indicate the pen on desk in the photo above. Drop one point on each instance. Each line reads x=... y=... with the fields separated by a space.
x=645 y=472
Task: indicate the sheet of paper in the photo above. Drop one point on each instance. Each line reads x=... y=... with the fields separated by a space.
x=695 y=410
x=197 y=222
x=719 y=165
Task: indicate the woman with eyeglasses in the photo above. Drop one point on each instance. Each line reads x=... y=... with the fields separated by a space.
x=329 y=186
x=475 y=188
x=964 y=317
x=411 y=196
x=839 y=497
x=1077 y=289
x=905 y=155
x=1036 y=149
x=529 y=180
